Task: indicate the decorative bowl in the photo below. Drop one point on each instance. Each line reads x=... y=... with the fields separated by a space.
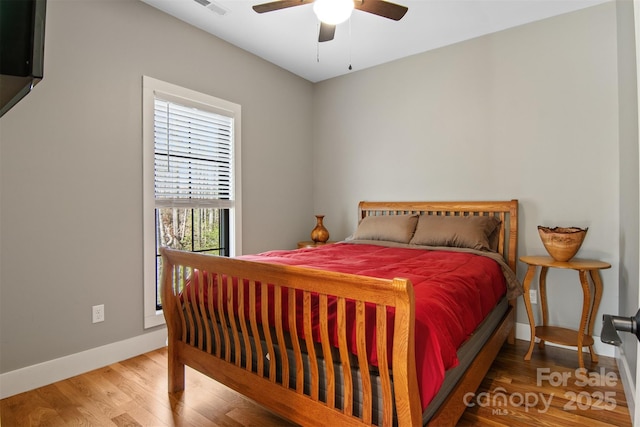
x=562 y=243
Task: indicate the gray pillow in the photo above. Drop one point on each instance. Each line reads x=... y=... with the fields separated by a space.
x=392 y=228
x=474 y=232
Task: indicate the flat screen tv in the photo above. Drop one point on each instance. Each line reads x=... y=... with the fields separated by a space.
x=21 y=49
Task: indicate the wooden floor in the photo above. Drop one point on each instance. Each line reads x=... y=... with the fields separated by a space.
x=133 y=393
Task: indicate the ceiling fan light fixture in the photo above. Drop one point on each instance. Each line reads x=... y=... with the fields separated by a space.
x=333 y=12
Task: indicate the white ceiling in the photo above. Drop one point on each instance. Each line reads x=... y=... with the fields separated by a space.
x=288 y=37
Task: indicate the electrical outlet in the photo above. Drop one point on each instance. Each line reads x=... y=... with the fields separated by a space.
x=98 y=313
x=533 y=296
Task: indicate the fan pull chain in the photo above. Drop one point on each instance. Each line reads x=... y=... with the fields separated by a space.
x=318 y=44
x=350 y=67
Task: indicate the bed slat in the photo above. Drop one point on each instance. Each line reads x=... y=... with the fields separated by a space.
x=264 y=295
x=214 y=319
x=223 y=322
x=190 y=312
x=363 y=363
x=284 y=357
x=383 y=364
x=295 y=343
x=200 y=313
x=347 y=402
x=254 y=327
x=232 y=320
x=242 y=318
x=181 y=313
x=330 y=385
x=311 y=351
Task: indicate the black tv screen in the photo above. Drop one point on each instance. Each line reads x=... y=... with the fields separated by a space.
x=21 y=49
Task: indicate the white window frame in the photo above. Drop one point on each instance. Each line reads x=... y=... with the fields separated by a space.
x=150 y=89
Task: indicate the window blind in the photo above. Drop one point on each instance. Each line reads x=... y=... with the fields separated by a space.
x=193 y=156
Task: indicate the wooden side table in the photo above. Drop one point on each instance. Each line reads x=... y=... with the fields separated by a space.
x=311 y=244
x=590 y=303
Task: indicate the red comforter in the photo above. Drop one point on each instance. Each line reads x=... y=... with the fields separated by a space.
x=454 y=291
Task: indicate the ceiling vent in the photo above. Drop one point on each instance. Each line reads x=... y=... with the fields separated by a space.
x=213 y=6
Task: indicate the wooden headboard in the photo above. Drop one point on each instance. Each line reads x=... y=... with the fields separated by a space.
x=506 y=211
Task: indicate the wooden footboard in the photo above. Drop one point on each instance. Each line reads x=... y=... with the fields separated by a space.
x=242 y=352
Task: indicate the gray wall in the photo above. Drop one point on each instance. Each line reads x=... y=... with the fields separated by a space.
x=528 y=113
x=71 y=177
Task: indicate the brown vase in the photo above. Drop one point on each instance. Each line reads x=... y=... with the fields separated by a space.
x=319 y=234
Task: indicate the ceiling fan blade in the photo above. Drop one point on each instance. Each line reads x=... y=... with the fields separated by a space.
x=381 y=8
x=277 y=5
x=326 y=32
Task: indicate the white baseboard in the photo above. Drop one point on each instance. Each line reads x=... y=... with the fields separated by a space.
x=627 y=382
x=523 y=332
x=31 y=377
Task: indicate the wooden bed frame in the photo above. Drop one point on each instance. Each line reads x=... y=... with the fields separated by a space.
x=210 y=350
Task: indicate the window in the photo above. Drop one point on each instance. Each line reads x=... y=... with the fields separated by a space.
x=191 y=179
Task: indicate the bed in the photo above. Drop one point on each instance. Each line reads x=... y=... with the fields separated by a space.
x=393 y=326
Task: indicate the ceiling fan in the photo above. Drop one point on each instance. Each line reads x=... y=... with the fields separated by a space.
x=342 y=7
